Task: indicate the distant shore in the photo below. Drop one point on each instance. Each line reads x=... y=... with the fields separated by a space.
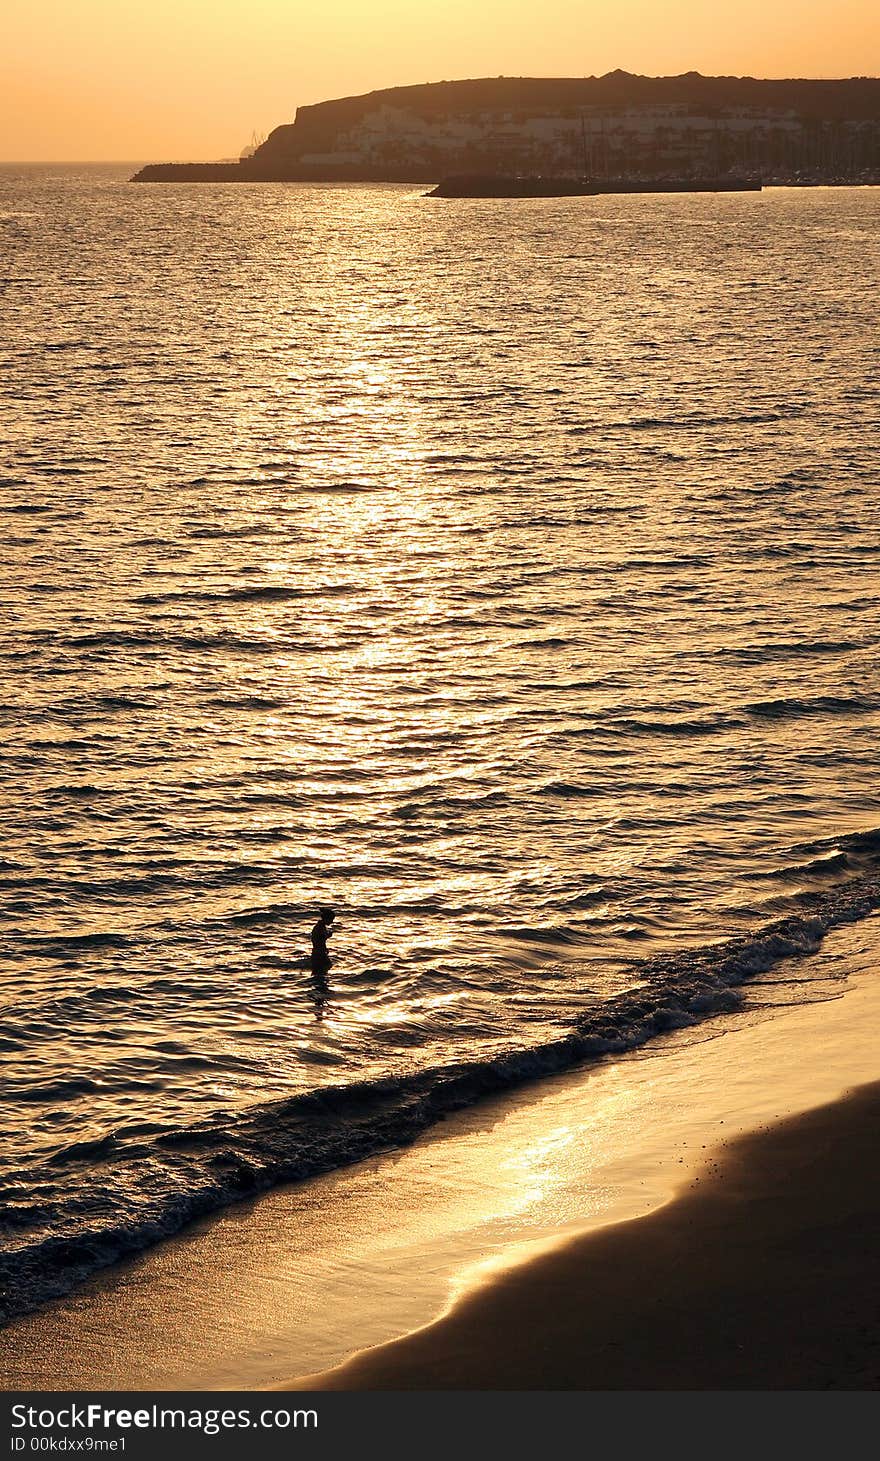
x=242 y=172
x=761 y=1275
x=796 y=131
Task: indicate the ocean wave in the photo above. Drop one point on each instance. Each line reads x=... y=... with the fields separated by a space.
x=533 y=935
x=271 y=913
x=160 y=638
x=250 y=593
x=83 y=1151
x=86 y=790
x=75 y=942
x=57 y=1090
x=794 y=708
x=828 y=864
x=566 y=790
x=143 y=1192
x=696 y=422
x=707 y=725
x=785 y=649
x=249 y=702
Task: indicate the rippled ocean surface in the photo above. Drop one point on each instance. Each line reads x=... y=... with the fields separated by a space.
x=503 y=573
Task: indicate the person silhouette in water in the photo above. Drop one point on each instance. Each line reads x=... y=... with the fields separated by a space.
x=320 y=961
x=320 y=934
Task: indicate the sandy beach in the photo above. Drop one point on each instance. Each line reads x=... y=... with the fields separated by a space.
x=762 y=1275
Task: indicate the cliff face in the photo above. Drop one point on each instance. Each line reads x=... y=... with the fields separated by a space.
x=420 y=132
x=316 y=128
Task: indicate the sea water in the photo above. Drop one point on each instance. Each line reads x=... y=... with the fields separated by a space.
x=503 y=573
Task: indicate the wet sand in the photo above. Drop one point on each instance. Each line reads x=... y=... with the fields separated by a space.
x=762 y=1275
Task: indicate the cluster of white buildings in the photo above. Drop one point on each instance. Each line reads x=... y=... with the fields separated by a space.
x=671 y=139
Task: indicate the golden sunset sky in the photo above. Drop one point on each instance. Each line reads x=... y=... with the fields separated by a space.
x=192 y=79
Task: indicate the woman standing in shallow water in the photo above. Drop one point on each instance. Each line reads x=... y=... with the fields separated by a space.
x=320 y=934
x=320 y=960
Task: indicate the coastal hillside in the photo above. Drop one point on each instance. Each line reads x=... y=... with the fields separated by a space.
x=608 y=126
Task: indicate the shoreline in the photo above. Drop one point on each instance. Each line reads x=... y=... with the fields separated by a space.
x=760 y=1275
x=333 y=1127
x=296 y=1281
